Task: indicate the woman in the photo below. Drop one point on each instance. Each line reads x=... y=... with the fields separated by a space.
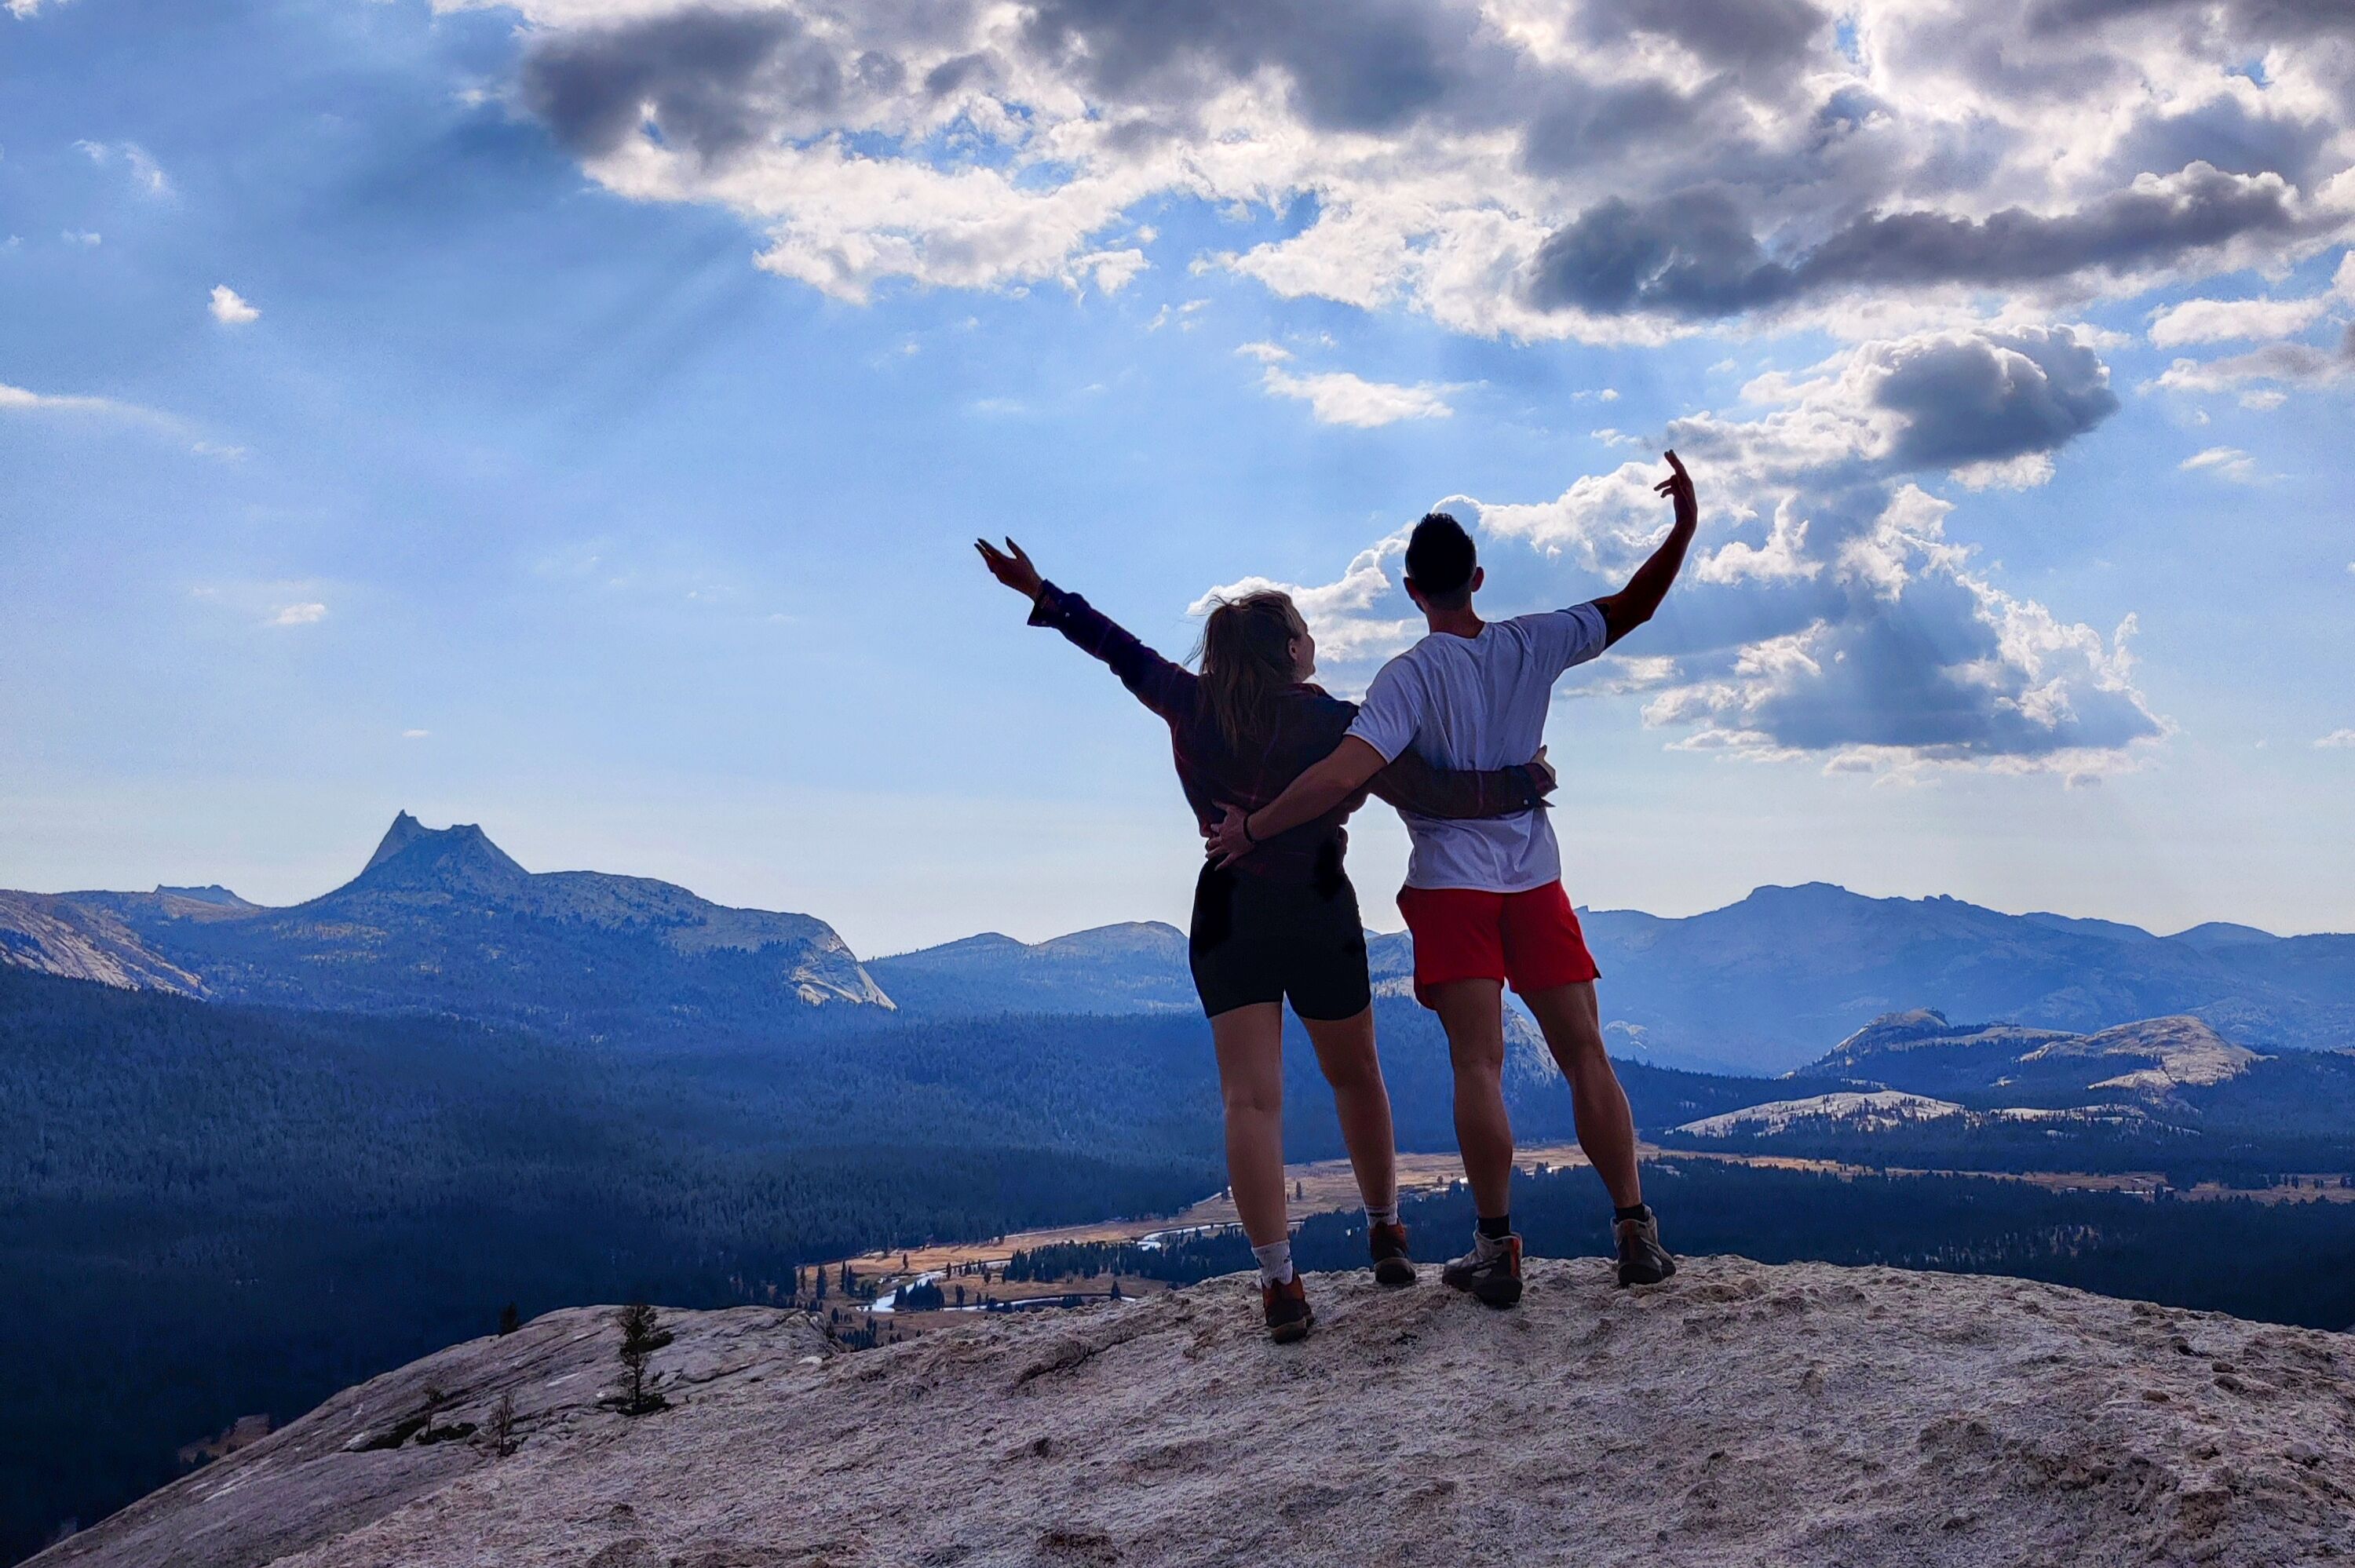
x=1283 y=922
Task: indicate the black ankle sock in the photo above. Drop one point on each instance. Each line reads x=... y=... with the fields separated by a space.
x=1498 y=1228
x=1637 y=1212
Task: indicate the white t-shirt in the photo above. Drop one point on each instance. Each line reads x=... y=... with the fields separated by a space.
x=1478 y=703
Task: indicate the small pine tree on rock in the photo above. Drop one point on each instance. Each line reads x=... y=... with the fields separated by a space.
x=501 y=1434
x=642 y=1335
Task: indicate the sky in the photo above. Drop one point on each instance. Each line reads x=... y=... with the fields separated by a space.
x=572 y=417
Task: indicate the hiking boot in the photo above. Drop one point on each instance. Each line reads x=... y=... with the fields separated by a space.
x=1288 y=1315
x=1642 y=1259
x=1492 y=1278
x=1391 y=1263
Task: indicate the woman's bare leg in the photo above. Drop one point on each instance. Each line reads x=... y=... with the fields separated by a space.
x=1250 y=1041
x=1345 y=1050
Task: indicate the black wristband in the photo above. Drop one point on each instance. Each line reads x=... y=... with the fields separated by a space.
x=1247 y=832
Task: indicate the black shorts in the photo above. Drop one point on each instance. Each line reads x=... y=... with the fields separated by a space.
x=1257 y=940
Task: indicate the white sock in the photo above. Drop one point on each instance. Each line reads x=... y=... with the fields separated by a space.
x=1274 y=1262
x=1383 y=1216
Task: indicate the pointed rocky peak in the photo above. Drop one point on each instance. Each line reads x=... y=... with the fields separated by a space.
x=405 y=830
x=461 y=858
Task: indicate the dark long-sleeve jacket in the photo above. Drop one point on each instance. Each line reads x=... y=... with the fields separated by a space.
x=1306 y=725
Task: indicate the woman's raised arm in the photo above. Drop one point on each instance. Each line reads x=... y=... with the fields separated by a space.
x=1167 y=688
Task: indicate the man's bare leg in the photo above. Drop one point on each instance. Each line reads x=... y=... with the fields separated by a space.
x=1572 y=1023
x=1472 y=1012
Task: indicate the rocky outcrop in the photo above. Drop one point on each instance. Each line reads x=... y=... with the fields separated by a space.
x=326 y=1481
x=54 y=934
x=1742 y=1413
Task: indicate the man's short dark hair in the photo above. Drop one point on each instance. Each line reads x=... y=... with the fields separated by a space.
x=1440 y=561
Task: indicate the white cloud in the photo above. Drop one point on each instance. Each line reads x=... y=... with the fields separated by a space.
x=230 y=308
x=2223 y=321
x=2273 y=325
x=1112 y=271
x=144 y=170
x=1339 y=397
x=415 y=733
x=18 y=397
x=2338 y=739
x=1584 y=169
x=88 y=239
x=24 y=9
x=2285 y=364
x=308 y=614
x=1183 y=314
x=23 y=400
x=2225 y=462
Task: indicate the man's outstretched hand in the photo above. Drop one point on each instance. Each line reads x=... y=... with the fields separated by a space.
x=1678 y=486
x=1012 y=567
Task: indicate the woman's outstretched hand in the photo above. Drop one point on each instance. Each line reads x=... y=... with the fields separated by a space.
x=1229 y=842
x=1012 y=567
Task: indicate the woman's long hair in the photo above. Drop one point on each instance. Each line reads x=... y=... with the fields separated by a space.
x=1245 y=659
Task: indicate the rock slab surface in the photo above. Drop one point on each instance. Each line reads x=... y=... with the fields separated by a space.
x=1739 y=1414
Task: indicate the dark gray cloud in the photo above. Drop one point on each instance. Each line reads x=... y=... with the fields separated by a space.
x=1372 y=66
x=714 y=79
x=951 y=75
x=2243 y=19
x=1574 y=124
x=1695 y=255
x=1732 y=33
x=2226 y=133
x=1986 y=399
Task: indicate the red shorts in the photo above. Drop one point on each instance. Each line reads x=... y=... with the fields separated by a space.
x=1530 y=939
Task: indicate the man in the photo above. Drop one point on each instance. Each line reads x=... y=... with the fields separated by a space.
x=1483 y=898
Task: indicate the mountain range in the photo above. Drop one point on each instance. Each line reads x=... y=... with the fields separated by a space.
x=443 y=921
x=2159 y=1092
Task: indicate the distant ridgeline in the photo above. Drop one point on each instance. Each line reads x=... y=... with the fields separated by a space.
x=444 y=922
x=277 y=1149
x=2165 y=1095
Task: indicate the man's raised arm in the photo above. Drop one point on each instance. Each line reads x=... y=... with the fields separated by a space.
x=1633 y=605
x=1344 y=772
